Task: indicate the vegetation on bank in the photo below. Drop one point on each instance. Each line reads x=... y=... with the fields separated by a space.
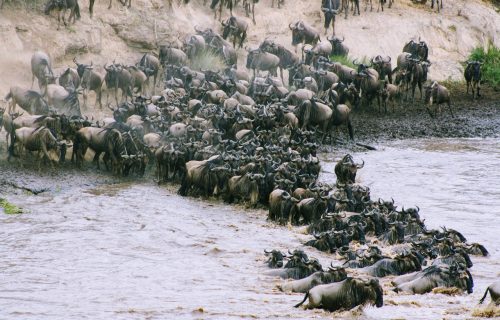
x=490 y=57
x=207 y=60
x=9 y=208
x=348 y=61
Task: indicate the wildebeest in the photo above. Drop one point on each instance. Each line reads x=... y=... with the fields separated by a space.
x=37 y=139
x=63 y=101
x=100 y=140
x=334 y=274
x=472 y=74
x=41 y=69
x=237 y=28
x=303 y=33
x=275 y=260
x=330 y=9
x=287 y=57
x=245 y=187
x=90 y=81
x=346 y=170
x=281 y=206
x=138 y=78
x=341 y=115
x=417 y=73
x=432 y=277
x=383 y=67
x=170 y=55
x=417 y=49
x=399 y=265
x=194 y=45
x=62 y=6
x=118 y=77
x=297 y=269
x=338 y=48
x=202 y=176
x=28 y=100
x=346 y=294
x=150 y=65
x=494 y=290
x=69 y=79
x=437 y=94
x=262 y=61
x=321 y=49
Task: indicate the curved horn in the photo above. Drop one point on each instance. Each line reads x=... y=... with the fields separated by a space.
x=361 y=166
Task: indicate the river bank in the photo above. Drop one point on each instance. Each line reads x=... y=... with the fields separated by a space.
x=472 y=119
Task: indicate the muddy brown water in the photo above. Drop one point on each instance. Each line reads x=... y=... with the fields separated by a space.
x=133 y=250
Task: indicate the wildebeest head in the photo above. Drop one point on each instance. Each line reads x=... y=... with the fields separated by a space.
x=379 y=293
x=338 y=48
x=229 y=27
x=298 y=35
x=251 y=58
x=346 y=169
x=276 y=258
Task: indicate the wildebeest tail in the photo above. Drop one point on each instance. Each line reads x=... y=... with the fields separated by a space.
x=12 y=141
x=484 y=296
x=302 y=302
x=351 y=130
x=49 y=7
x=77 y=10
x=214 y=4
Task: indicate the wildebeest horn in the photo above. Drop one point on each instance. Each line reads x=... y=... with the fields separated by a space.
x=360 y=166
x=354 y=62
x=290 y=26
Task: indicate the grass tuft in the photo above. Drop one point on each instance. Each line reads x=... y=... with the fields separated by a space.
x=9 y=208
x=207 y=60
x=491 y=63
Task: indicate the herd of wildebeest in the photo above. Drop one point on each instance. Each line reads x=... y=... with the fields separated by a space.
x=248 y=138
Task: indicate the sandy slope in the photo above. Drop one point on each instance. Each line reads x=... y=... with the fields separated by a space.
x=122 y=33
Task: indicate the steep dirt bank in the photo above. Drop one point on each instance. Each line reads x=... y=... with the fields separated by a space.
x=479 y=118
x=123 y=34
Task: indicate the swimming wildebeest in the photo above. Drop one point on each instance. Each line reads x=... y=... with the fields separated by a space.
x=346 y=295
x=494 y=290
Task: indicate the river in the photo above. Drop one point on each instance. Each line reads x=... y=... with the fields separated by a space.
x=133 y=250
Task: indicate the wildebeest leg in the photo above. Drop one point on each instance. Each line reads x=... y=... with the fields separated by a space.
x=253 y=12
x=420 y=89
x=85 y=93
x=91 y=8
x=116 y=95
x=98 y=97
x=451 y=110
x=96 y=160
x=109 y=7
x=242 y=39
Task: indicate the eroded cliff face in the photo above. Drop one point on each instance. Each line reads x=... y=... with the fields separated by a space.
x=123 y=34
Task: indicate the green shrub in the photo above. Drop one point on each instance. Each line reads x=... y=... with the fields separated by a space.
x=491 y=63
x=9 y=208
x=347 y=61
x=207 y=60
